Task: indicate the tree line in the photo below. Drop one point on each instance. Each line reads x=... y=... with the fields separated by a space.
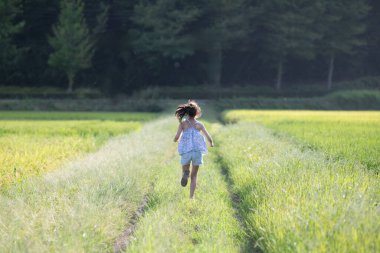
x=120 y=45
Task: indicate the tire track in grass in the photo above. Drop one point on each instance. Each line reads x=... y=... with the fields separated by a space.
x=248 y=243
x=174 y=223
x=86 y=205
x=297 y=200
x=122 y=242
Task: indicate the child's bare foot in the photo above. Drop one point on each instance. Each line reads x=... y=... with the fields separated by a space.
x=185 y=177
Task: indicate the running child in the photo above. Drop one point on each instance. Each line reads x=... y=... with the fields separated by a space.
x=192 y=145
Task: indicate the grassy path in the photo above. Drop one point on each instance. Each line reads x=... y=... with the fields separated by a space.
x=174 y=223
x=85 y=206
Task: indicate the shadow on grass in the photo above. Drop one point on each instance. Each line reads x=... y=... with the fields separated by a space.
x=148 y=202
x=248 y=241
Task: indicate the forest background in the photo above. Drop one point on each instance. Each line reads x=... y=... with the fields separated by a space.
x=120 y=47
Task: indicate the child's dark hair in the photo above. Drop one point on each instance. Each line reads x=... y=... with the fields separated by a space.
x=191 y=108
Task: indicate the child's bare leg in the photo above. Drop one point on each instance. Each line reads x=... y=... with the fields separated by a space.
x=193 y=183
x=185 y=168
x=185 y=174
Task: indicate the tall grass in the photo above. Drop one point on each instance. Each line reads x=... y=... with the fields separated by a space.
x=54 y=115
x=174 y=223
x=86 y=205
x=30 y=148
x=294 y=199
x=351 y=135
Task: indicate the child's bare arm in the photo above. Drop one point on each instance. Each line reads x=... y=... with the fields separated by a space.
x=208 y=136
x=179 y=131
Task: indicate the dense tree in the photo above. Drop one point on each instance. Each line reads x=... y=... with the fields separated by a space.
x=342 y=23
x=177 y=29
x=164 y=28
x=72 y=42
x=9 y=27
x=160 y=42
x=373 y=36
x=223 y=25
x=286 y=29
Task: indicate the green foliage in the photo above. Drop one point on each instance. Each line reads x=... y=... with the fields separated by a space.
x=367 y=82
x=369 y=99
x=101 y=20
x=85 y=104
x=164 y=28
x=340 y=100
x=10 y=26
x=288 y=28
x=127 y=45
x=177 y=29
x=16 y=92
x=224 y=24
x=72 y=42
x=341 y=24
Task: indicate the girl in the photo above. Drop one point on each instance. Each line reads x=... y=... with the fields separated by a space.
x=192 y=145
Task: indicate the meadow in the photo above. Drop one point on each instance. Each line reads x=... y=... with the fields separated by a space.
x=349 y=135
x=262 y=188
x=33 y=143
x=86 y=204
x=298 y=199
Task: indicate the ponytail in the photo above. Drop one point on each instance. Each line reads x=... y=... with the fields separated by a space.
x=191 y=108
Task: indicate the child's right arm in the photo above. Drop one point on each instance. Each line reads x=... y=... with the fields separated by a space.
x=179 y=131
x=210 y=140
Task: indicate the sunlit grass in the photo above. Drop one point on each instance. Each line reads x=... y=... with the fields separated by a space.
x=113 y=116
x=174 y=223
x=351 y=135
x=297 y=200
x=85 y=205
x=38 y=145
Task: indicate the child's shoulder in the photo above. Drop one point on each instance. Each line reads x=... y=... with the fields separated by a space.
x=199 y=123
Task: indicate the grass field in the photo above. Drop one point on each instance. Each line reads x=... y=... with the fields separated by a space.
x=296 y=199
x=84 y=206
x=34 y=143
x=350 y=135
x=111 y=116
x=263 y=188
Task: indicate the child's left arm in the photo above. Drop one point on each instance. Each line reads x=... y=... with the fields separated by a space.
x=179 y=131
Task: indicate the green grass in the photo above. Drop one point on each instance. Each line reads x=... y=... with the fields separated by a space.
x=290 y=195
x=297 y=200
x=350 y=135
x=113 y=116
x=86 y=205
x=33 y=143
x=173 y=223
